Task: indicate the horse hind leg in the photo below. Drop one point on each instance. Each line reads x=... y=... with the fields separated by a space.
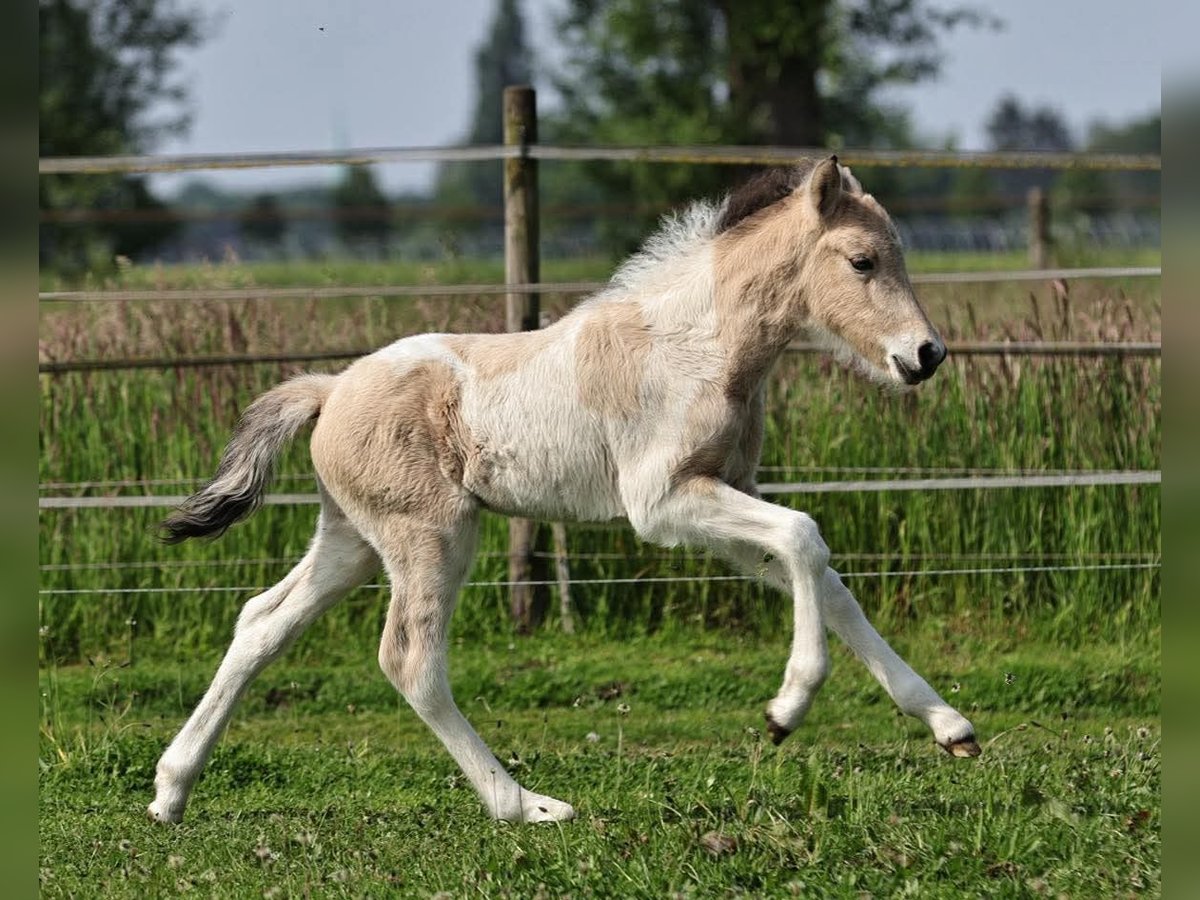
x=337 y=561
x=427 y=565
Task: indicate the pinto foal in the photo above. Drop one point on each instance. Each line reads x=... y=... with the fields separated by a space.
x=644 y=404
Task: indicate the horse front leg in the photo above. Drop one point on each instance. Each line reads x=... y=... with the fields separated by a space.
x=710 y=513
x=842 y=614
x=908 y=690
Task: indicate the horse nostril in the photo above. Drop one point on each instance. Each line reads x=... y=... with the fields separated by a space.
x=930 y=356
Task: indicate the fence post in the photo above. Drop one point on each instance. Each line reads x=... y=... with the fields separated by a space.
x=521 y=265
x=1039 y=228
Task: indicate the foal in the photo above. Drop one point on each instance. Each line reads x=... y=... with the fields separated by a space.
x=644 y=404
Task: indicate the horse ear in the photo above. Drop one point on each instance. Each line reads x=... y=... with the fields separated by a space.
x=825 y=186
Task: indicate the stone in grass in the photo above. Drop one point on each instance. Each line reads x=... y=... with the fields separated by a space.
x=718 y=844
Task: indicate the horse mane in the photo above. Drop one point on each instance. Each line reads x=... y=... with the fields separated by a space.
x=684 y=230
x=761 y=190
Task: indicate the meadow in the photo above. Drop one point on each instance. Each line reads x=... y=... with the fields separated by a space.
x=326 y=784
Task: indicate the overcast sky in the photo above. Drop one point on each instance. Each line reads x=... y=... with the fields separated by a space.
x=331 y=74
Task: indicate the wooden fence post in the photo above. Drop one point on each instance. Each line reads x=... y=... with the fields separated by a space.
x=1039 y=228
x=521 y=266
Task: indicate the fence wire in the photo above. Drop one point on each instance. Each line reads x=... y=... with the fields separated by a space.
x=561 y=287
x=707 y=154
x=167 y=564
x=1069 y=349
x=663 y=579
x=308 y=477
x=977 y=482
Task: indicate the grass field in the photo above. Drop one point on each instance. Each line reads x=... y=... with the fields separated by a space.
x=326 y=785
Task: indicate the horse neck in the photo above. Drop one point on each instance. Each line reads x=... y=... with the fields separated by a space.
x=759 y=304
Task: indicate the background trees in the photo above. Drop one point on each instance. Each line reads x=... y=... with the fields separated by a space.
x=753 y=71
x=105 y=70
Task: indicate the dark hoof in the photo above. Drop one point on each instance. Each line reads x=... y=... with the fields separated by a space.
x=776 y=731
x=964 y=749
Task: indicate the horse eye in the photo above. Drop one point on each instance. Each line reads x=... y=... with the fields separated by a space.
x=862 y=263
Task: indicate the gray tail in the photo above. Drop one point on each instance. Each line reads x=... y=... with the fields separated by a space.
x=248 y=462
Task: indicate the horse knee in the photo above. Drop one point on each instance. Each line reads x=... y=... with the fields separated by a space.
x=412 y=667
x=809 y=547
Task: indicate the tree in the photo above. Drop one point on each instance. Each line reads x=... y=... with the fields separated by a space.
x=503 y=59
x=262 y=221
x=363 y=213
x=1014 y=126
x=104 y=66
x=752 y=71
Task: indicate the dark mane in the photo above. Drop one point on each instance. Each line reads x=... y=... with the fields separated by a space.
x=762 y=190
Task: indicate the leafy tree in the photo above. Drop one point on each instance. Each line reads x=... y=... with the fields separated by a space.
x=262 y=221
x=753 y=71
x=363 y=213
x=1013 y=126
x=1140 y=135
x=104 y=66
x=503 y=59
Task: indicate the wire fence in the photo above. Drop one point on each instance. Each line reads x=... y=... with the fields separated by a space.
x=562 y=287
x=959 y=348
x=977 y=482
x=937 y=479
x=704 y=154
x=642 y=580
x=307 y=477
x=593 y=556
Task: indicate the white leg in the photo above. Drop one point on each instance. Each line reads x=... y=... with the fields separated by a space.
x=337 y=561
x=427 y=566
x=712 y=514
x=845 y=618
x=909 y=690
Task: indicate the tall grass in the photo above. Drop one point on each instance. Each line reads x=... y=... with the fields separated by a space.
x=977 y=414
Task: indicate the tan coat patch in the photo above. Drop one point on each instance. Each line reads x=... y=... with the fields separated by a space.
x=393 y=441
x=611 y=354
x=494 y=355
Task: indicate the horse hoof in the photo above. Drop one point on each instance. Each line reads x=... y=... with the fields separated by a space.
x=964 y=749
x=163 y=815
x=776 y=731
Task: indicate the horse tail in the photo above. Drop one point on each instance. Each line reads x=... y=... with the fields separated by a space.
x=248 y=462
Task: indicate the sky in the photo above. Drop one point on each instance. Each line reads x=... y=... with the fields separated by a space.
x=332 y=74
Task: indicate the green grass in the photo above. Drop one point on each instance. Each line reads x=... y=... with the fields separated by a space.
x=327 y=785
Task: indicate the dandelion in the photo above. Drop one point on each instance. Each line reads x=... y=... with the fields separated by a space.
x=1087 y=738
x=1009 y=678
x=955 y=688
x=1143 y=733
x=592 y=737
x=623 y=709
x=265 y=854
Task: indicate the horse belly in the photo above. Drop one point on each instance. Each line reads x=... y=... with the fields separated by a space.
x=547 y=460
